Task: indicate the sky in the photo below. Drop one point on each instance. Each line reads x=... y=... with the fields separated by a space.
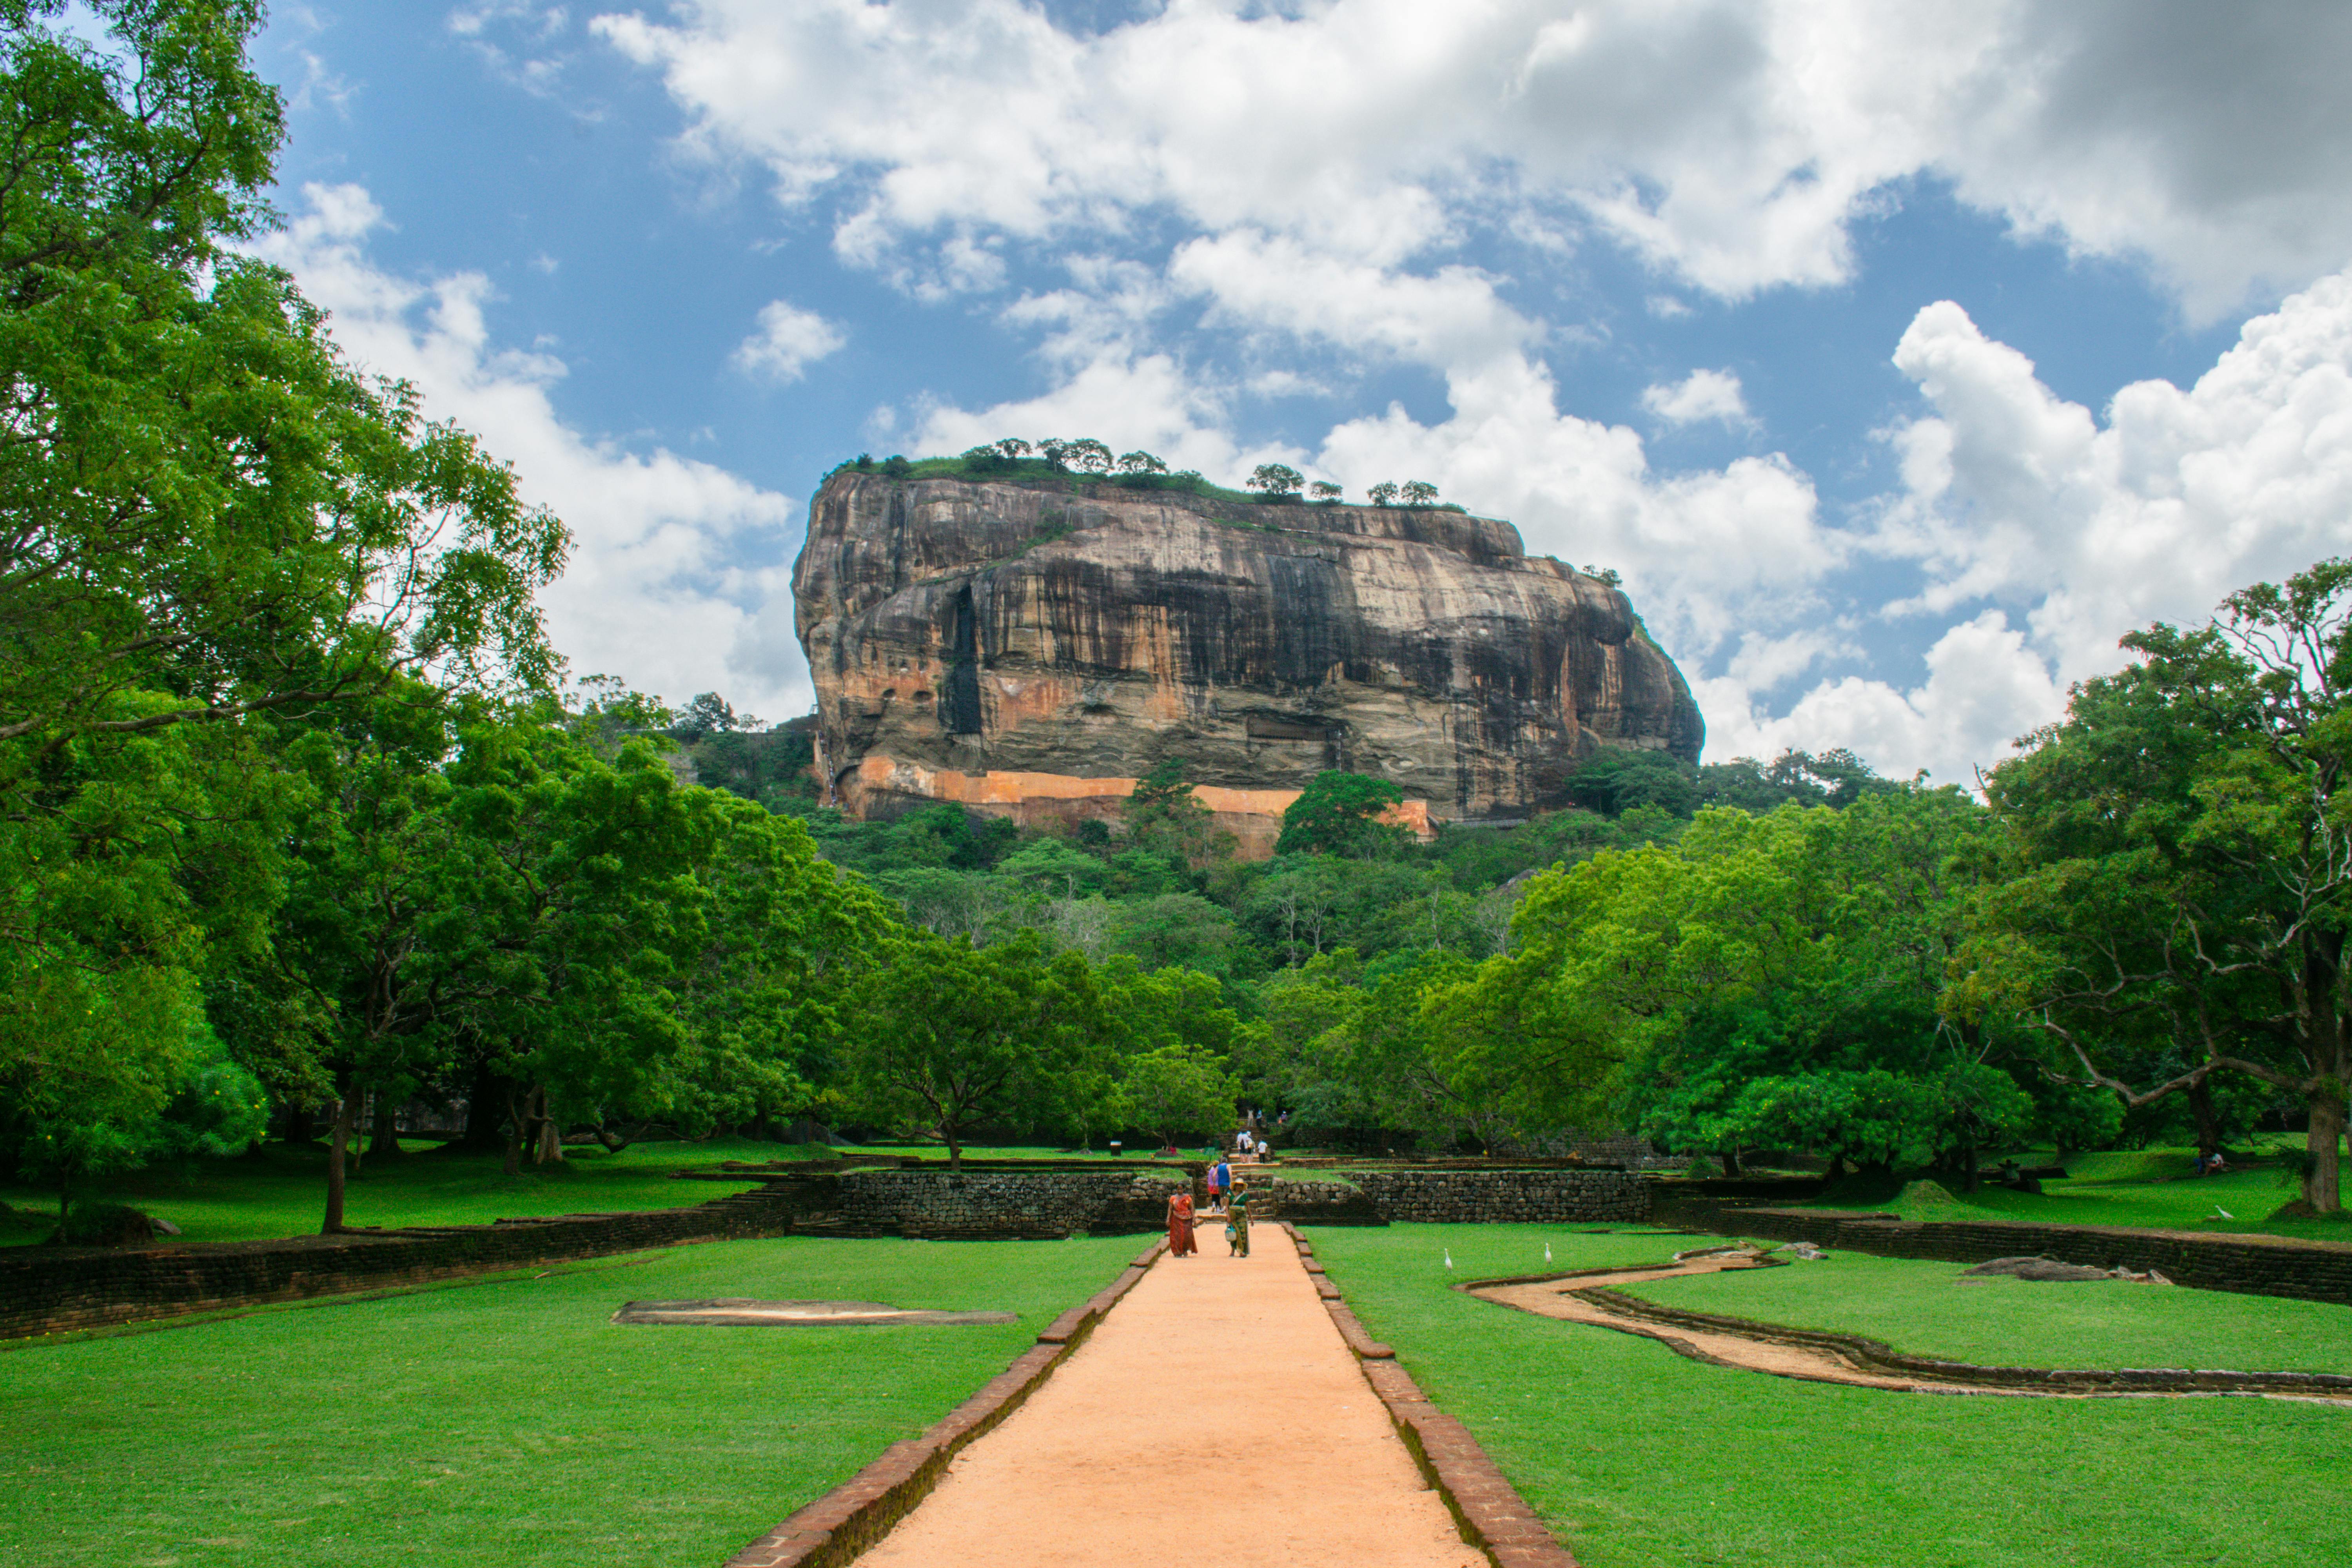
x=1899 y=358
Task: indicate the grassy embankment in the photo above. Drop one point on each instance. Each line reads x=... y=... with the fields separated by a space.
x=509 y=1423
x=2150 y=1188
x=282 y=1189
x=1636 y=1456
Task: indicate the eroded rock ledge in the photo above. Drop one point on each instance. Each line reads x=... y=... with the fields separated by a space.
x=1032 y=647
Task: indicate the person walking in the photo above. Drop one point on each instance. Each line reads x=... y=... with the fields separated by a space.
x=1180 y=1225
x=1238 y=1222
x=1221 y=1177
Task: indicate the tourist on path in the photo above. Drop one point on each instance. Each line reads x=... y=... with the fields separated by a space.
x=1237 y=1225
x=1180 y=1225
x=1221 y=1177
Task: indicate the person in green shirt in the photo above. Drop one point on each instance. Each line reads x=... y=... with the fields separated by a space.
x=1237 y=1221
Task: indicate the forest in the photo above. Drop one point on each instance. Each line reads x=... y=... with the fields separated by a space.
x=299 y=810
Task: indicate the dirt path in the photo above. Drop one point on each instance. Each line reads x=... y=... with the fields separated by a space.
x=1551 y=1299
x=1764 y=1350
x=1214 y=1416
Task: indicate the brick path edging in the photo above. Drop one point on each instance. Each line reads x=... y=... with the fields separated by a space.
x=860 y=1511
x=1486 y=1509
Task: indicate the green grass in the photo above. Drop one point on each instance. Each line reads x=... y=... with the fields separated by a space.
x=1926 y=1309
x=2146 y=1188
x=1637 y=1456
x=282 y=1190
x=508 y=1423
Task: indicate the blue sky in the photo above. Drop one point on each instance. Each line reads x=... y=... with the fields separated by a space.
x=1900 y=358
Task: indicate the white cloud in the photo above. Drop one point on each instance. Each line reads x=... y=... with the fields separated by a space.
x=1701 y=395
x=1731 y=144
x=1985 y=688
x=2015 y=496
x=665 y=587
x=788 y=341
x=1306 y=176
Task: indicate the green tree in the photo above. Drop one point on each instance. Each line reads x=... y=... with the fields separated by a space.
x=1420 y=492
x=1618 y=778
x=1179 y=1092
x=1276 y=482
x=2176 y=898
x=1342 y=814
x=207 y=518
x=950 y=1035
x=1163 y=808
x=1383 y=494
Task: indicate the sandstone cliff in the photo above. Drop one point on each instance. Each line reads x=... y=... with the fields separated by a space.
x=1032 y=646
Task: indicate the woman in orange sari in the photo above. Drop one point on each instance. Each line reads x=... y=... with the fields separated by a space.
x=1180 y=1225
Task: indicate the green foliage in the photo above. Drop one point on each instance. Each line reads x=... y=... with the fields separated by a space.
x=944 y=1035
x=1341 y=814
x=1276 y=481
x=1618 y=778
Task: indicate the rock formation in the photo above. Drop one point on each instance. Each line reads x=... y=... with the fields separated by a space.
x=1030 y=646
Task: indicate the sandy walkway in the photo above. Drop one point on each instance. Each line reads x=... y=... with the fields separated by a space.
x=1214 y=1416
x=1819 y=1362
x=1551 y=1299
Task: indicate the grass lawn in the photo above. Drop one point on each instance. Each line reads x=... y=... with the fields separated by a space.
x=2150 y=1188
x=1639 y=1458
x=282 y=1190
x=509 y=1423
x=1927 y=1310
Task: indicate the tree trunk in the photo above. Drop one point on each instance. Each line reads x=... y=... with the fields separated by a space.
x=519 y=1127
x=551 y=1136
x=346 y=1117
x=955 y=1147
x=484 y=1118
x=354 y=1153
x=1729 y=1155
x=2209 y=1121
x=1968 y=1169
x=384 y=1136
x=2320 y=1183
x=299 y=1127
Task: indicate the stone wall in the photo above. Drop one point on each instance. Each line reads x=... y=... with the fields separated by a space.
x=1505 y=1197
x=48 y=1290
x=2251 y=1265
x=977 y=1203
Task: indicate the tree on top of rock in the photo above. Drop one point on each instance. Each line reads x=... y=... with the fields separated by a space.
x=1089 y=456
x=1339 y=813
x=1140 y=463
x=1275 y=481
x=1384 y=493
x=1323 y=489
x=1420 y=492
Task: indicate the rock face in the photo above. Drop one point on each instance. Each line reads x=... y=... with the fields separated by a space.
x=1032 y=646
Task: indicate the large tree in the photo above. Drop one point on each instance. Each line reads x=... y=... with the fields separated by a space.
x=949 y=1036
x=2179 y=880
x=207 y=518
